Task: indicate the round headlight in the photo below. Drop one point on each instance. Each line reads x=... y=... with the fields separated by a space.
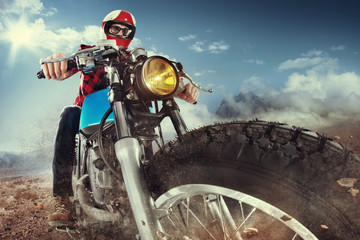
x=159 y=76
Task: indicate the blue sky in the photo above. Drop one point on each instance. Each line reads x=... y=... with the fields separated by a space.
x=302 y=57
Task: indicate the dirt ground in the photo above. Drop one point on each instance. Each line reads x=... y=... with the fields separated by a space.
x=25 y=202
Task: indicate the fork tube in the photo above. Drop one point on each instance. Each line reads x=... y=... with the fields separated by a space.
x=121 y=123
x=176 y=119
x=128 y=153
x=115 y=97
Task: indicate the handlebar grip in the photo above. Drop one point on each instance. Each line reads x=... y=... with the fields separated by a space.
x=71 y=65
x=40 y=74
x=183 y=89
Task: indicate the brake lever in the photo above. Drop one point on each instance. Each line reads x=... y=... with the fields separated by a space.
x=182 y=73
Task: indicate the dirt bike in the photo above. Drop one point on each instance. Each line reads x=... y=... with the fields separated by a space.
x=235 y=180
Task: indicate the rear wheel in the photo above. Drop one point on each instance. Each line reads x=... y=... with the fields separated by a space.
x=259 y=179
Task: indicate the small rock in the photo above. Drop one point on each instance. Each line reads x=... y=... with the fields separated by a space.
x=250 y=232
x=354 y=192
x=337 y=138
x=160 y=234
x=323 y=227
x=40 y=206
x=344 y=184
x=286 y=218
x=347 y=182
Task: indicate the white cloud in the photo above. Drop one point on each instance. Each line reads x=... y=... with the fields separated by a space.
x=27 y=7
x=154 y=52
x=63 y=39
x=313 y=100
x=215 y=47
x=317 y=98
x=197 y=47
x=338 y=48
x=314 y=59
x=51 y=12
x=324 y=86
x=254 y=61
x=187 y=37
x=197 y=74
x=218 y=47
x=300 y=63
x=253 y=84
x=312 y=53
x=135 y=43
x=195 y=116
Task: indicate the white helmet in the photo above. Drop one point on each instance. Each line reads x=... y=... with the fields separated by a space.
x=120 y=17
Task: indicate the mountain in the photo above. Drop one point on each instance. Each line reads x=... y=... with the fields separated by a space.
x=10 y=160
x=241 y=105
x=25 y=162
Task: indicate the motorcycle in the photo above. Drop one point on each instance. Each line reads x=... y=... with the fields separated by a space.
x=235 y=180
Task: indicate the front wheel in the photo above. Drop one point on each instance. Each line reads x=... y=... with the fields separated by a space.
x=255 y=179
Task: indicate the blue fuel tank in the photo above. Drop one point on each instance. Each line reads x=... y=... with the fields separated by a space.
x=94 y=107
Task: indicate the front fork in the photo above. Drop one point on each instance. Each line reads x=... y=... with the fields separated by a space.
x=128 y=153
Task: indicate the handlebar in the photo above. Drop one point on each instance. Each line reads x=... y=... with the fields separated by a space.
x=86 y=60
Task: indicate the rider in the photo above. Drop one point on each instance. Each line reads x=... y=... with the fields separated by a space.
x=119 y=25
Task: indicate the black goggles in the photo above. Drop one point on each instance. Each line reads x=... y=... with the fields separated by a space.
x=116 y=29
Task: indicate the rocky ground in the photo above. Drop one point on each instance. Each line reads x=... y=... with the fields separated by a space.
x=25 y=201
x=347 y=133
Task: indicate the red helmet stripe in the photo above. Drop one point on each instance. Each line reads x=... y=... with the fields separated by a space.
x=125 y=16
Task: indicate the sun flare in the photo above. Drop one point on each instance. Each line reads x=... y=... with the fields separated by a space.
x=19 y=34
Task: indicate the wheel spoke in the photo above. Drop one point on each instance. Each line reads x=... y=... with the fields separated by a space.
x=243 y=222
x=294 y=236
x=228 y=218
x=242 y=210
x=174 y=225
x=199 y=221
x=212 y=212
x=187 y=210
x=221 y=217
x=214 y=206
x=181 y=215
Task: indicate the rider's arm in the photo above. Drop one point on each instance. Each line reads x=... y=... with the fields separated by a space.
x=57 y=71
x=191 y=94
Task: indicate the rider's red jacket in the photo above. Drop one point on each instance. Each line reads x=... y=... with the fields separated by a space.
x=90 y=82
